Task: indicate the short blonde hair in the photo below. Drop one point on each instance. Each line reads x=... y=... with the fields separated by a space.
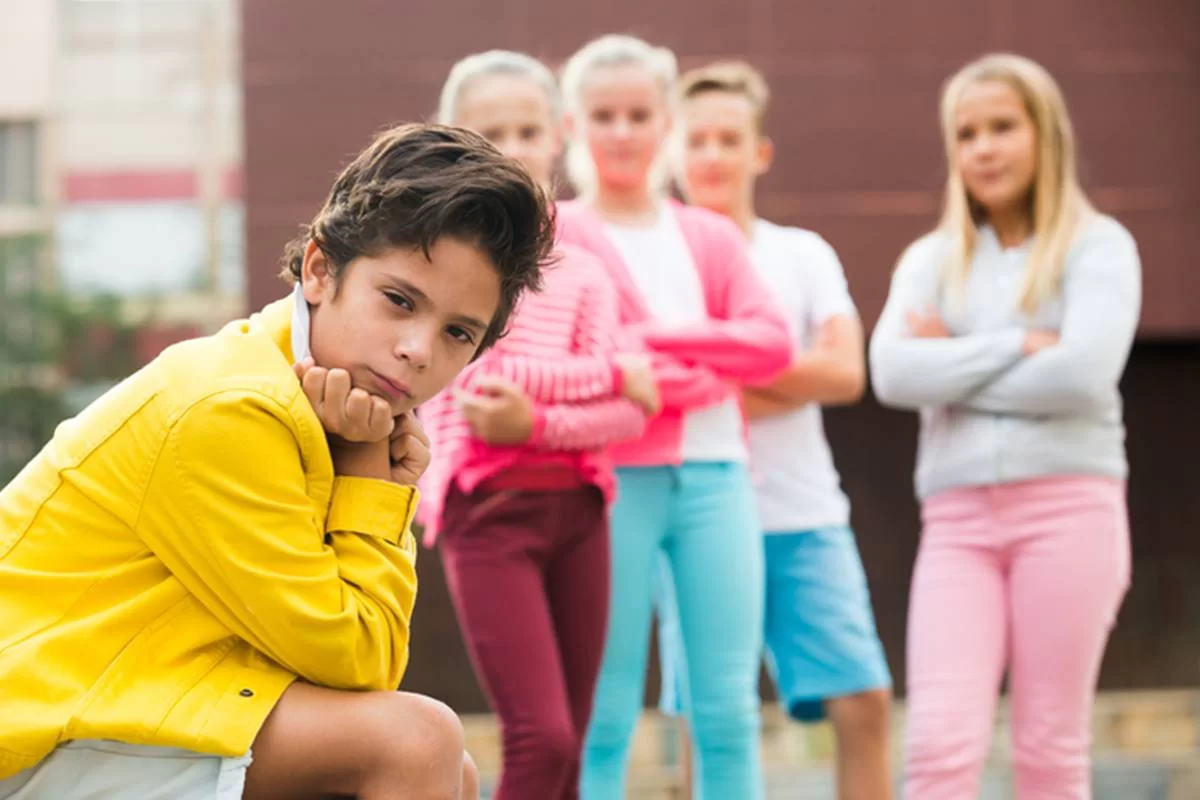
x=729 y=77
x=1058 y=206
x=495 y=62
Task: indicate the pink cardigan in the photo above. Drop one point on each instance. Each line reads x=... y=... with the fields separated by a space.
x=559 y=349
x=746 y=341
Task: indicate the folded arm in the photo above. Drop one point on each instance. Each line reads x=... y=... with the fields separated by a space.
x=587 y=426
x=1101 y=305
x=747 y=337
x=831 y=372
x=910 y=372
x=685 y=387
x=328 y=599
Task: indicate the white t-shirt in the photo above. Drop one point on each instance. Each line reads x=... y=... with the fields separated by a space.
x=797 y=484
x=662 y=268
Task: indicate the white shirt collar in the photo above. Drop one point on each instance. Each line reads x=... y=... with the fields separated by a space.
x=301 y=325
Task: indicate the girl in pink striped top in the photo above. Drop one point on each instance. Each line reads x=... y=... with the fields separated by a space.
x=518 y=488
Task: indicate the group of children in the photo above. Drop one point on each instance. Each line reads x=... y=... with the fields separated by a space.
x=210 y=573
x=723 y=317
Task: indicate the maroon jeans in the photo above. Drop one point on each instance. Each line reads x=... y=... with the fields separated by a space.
x=529 y=575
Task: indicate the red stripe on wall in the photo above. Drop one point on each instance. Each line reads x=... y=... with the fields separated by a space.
x=142 y=185
x=90 y=187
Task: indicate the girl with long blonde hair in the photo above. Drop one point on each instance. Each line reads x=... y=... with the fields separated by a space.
x=1008 y=329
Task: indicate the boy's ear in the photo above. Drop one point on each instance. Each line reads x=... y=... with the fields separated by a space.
x=763 y=156
x=317 y=278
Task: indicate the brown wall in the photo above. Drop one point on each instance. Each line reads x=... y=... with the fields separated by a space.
x=855 y=87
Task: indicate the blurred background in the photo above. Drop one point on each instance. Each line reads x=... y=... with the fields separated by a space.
x=155 y=155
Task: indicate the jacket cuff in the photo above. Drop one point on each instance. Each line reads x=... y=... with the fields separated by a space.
x=372 y=507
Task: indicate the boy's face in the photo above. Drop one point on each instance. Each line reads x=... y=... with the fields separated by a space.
x=723 y=152
x=402 y=325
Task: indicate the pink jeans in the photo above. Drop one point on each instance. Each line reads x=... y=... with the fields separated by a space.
x=1027 y=576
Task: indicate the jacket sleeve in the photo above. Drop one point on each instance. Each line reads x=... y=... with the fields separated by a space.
x=228 y=514
x=912 y=373
x=749 y=341
x=587 y=426
x=686 y=387
x=1101 y=306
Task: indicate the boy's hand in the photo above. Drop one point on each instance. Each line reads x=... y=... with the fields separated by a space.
x=344 y=411
x=408 y=450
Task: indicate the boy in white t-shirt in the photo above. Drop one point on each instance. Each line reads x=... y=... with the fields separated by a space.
x=820 y=633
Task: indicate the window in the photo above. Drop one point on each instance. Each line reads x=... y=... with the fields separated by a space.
x=18 y=163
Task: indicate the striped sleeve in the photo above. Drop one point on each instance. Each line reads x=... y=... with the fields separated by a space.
x=587 y=426
x=578 y=308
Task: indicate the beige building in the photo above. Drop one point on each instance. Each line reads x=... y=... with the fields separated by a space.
x=28 y=30
x=120 y=177
x=150 y=149
x=27 y=55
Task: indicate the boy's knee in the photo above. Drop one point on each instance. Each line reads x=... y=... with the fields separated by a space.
x=421 y=746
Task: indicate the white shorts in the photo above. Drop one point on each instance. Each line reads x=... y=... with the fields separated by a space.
x=97 y=768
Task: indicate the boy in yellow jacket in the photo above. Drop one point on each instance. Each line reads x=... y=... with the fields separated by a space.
x=206 y=578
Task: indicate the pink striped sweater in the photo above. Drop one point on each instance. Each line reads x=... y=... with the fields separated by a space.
x=559 y=349
x=744 y=341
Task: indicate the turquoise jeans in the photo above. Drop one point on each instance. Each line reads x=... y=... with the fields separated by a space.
x=702 y=518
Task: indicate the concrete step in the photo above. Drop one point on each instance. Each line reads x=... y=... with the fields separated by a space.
x=1146 y=746
x=1111 y=781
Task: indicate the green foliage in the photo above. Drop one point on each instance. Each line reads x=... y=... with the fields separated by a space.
x=48 y=344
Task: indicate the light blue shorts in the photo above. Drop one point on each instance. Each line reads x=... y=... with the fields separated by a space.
x=819 y=631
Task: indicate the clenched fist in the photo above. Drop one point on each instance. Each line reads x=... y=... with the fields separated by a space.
x=345 y=411
x=408 y=450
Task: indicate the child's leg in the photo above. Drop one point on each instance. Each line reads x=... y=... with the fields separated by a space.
x=957 y=631
x=864 y=762
x=1069 y=574
x=672 y=668
x=825 y=652
x=370 y=745
x=638 y=525
x=577 y=583
x=717 y=561
x=495 y=550
x=672 y=698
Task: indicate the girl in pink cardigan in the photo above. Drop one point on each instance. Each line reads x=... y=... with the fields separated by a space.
x=519 y=485
x=689 y=298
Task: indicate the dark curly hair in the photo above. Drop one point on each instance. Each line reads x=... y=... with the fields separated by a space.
x=417 y=183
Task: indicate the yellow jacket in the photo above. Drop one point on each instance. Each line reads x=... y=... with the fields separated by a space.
x=181 y=551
